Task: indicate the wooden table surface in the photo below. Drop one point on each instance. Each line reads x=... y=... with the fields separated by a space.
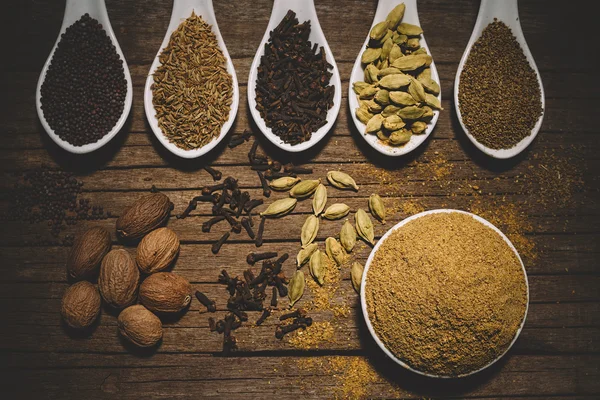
x=545 y=200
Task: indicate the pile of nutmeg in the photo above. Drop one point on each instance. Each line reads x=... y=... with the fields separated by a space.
x=119 y=275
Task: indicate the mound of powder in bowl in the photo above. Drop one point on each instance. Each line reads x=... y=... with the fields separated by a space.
x=446 y=294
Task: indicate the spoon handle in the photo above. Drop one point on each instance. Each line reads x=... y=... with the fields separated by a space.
x=74 y=9
x=183 y=8
x=284 y=5
x=505 y=10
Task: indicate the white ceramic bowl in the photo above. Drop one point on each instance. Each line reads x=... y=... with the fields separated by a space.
x=364 y=281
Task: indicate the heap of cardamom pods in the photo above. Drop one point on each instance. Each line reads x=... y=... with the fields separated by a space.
x=336 y=251
x=398 y=95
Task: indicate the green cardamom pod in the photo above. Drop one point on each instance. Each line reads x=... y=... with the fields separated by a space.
x=336 y=211
x=418 y=127
x=383 y=64
x=368 y=92
x=393 y=123
x=402 y=98
x=373 y=106
x=382 y=135
x=370 y=55
x=409 y=29
x=427 y=114
x=374 y=123
x=348 y=236
x=388 y=71
x=413 y=44
x=395 y=82
x=382 y=97
x=364 y=226
x=309 y=230
x=305 y=253
x=416 y=90
x=386 y=37
x=359 y=86
x=280 y=207
x=283 y=183
x=429 y=84
x=395 y=16
x=390 y=110
x=316 y=267
x=356 y=274
x=411 y=62
x=385 y=49
x=400 y=137
x=377 y=207
x=410 y=112
x=421 y=50
x=320 y=199
x=296 y=287
x=335 y=251
x=379 y=31
x=341 y=180
x=371 y=72
x=433 y=101
x=305 y=188
x=395 y=53
x=363 y=115
x=399 y=39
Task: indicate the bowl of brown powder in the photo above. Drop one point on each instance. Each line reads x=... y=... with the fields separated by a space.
x=444 y=293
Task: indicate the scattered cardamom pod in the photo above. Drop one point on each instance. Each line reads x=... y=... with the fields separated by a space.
x=409 y=29
x=335 y=251
x=296 y=287
x=341 y=180
x=364 y=226
x=305 y=188
x=280 y=207
x=316 y=267
x=377 y=207
x=371 y=54
x=400 y=137
x=356 y=274
x=395 y=81
x=374 y=124
x=336 y=211
x=379 y=31
x=309 y=230
x=395 y=16
x=284 y=183
x=348 y=236
x=305 y=253
x=319 y=199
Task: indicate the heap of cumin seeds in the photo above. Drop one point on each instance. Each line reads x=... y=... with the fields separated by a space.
x=192 y=90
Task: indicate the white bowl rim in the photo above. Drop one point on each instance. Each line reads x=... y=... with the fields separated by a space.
x=364 y=302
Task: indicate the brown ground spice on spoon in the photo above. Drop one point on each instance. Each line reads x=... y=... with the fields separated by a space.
x=446 y=294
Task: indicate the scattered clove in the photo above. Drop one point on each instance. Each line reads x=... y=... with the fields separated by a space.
x=206 y=302
x=274 y=298
x=265 y=184
x=252 y=258
x=247 y=227
x=266 y=313
x=208 y=224
x=217 y=245
x=259 y=236
x=216 y=175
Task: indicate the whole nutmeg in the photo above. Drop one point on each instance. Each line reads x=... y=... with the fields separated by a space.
x=119 y=279
x=157 y=250
x=165 y=292
x=145 y=215
x=139 y=326
x=87 y=253
x=80 y=305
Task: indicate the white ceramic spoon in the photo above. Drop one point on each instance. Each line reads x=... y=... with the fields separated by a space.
x=182 y=10
x=506 y=11
x=74 y=10
x=411 y=16
x=305 y=10
x=363 y=301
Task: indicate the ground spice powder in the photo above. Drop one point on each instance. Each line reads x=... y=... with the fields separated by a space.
x=446 y=294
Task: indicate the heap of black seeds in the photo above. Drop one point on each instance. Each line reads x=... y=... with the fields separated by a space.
x=52 y=196
x=84 y=90
x=499 y=93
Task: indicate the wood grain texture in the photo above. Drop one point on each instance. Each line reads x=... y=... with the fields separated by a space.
x=557 y=355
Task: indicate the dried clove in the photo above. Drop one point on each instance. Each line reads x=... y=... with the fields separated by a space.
x=274 y=297
x=244 y=198
x=291 y=168
x=265 y=185
x=247 y=227
x=208 y=224
x=281 y=331
x=206 y=302
x=217 y=245
x=216 y=175
x=212 y=325
x=270 y=175
x=206 y=190
x=259 y=236
x=251 y=204
x=266 y=313
x=248 y=276
x=252 y=258
x=299 y=313
x=236 y=226
x=194 y=203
